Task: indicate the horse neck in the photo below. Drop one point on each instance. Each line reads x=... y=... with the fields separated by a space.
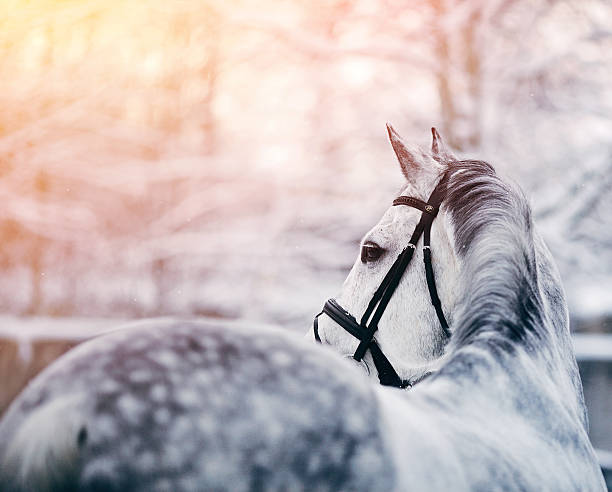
x=512 y=334
x=512 y=322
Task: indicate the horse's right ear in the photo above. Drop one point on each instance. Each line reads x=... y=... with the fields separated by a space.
x=439 y=151
x=411 y=158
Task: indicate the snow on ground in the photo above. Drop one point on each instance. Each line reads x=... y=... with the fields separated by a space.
x=593 y=347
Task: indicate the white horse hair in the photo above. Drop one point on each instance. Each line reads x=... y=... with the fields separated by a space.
x=192 y=406
x=409 y=332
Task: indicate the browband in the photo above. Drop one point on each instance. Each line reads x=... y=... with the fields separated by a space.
x=416 y=203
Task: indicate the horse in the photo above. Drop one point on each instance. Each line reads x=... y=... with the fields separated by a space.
x=495 y=399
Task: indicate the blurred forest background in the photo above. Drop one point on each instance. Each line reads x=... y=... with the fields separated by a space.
x=223 y=158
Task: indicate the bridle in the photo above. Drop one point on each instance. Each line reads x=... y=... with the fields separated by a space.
x=364 y=331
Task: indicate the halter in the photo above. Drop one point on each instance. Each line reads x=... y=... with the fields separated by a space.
x=364 y=331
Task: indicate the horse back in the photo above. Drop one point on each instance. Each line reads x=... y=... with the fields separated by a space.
x=194 y=406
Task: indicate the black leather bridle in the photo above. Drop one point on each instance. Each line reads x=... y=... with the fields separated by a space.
x=364 y=331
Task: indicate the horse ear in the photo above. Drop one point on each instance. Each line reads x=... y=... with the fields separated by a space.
x=439 y=151
x=411 y=158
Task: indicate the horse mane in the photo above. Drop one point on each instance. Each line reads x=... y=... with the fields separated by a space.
x=513 y=299
x=493 y=233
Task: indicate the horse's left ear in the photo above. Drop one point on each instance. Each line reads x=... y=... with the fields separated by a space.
x=439 y=151
x=411 y=158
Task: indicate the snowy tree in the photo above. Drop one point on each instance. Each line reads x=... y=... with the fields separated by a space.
x=224 y=158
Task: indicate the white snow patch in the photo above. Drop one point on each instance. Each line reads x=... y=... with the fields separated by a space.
x=605 y=458
x=593 y=346
x=591 y=298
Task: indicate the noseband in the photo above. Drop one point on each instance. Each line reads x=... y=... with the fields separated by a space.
x=364 y=331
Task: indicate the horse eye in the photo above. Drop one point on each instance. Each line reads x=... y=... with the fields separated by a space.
x=371 y=252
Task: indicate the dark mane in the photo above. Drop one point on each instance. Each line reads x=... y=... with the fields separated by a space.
x=493 y=234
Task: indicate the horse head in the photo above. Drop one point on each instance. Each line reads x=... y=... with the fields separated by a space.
x=410 y=333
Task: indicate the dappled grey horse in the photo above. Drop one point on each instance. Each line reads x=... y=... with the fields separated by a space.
x=193 y=406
